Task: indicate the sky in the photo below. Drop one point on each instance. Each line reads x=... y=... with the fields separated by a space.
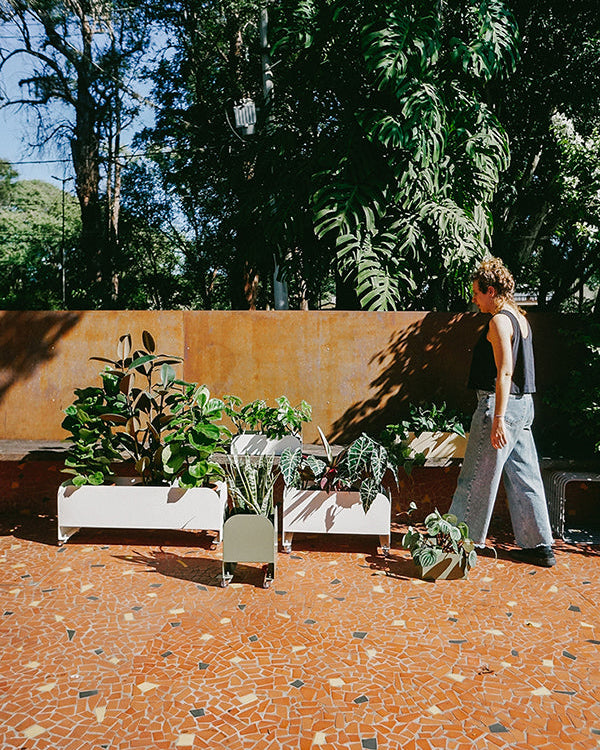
x=15 y=132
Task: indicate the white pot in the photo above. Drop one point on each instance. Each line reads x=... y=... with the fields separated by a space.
x=321 y=512
x=256 y=444
x=131 y=506
x=438 y=445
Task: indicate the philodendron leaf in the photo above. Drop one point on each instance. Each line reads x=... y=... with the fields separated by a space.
x=317 y=466
x=358 y=456
x=368 y=492
x=198 y=469
x=426 y=556
x=289 y=463
x=379 y=462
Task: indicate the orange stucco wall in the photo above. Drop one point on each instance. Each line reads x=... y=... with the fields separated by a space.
x=356 y=369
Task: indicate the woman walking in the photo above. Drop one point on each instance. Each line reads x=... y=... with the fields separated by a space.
x=500 y=439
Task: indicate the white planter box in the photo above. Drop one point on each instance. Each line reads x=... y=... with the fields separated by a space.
x=256 y=444
x=132 y=506
x=320 y=512
x=438 y=445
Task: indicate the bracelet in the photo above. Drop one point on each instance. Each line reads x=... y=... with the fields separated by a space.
x=500 y=416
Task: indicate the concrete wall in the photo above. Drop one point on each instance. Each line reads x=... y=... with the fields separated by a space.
x=357 y=369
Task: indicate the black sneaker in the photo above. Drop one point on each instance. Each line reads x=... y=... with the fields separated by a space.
x=542 y=556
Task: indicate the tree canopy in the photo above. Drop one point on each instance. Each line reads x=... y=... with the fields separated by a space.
x=394 y=144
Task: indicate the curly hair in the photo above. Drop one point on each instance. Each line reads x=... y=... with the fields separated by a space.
x=493 y=272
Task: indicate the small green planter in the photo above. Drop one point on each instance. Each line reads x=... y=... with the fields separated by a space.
x=249 y=538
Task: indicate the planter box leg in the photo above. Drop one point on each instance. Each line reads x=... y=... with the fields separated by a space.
x=286 y=541
x=269 y=575
x=384 y=543
x=227 y=573
x=65 y=533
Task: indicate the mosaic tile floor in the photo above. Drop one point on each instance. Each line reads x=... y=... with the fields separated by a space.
x=114 y=641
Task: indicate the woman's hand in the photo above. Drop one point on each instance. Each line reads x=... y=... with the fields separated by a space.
x=498 y=435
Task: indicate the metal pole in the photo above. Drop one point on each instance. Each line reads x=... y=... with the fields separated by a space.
x=64 y=281
x=280 y=288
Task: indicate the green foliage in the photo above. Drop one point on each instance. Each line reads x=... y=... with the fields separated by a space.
x=574 y=405
x=429 y=417
x=543 y=211
x=167 y=427
x=31 y=243
x=422 y=418
x=405 y=153
x=251 y=481
x=442 y=534
x=360 y=466
x=274 y=421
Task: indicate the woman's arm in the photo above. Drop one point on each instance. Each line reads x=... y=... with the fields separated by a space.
x=500 y=335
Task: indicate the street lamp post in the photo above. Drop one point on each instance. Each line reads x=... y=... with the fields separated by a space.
x=63 y=180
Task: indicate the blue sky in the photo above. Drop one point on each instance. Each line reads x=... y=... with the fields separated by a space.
x=15 y=133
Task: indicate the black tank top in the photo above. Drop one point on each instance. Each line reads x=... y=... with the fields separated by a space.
x=483 y=367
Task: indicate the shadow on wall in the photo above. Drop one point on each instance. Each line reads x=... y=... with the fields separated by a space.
x=427 y=361
x=27 y=340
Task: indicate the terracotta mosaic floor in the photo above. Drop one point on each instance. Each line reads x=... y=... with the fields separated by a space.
x=113 y=641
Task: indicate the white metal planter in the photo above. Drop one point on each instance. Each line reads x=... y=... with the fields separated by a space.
x=321 y=512
x=249 y=538
x=438 y=445
x=134 y=506
x=256 y=444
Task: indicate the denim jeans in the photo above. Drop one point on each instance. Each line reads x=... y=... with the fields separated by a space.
x=516 y=462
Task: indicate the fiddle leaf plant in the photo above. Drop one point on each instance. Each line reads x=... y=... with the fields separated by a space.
x=143 y=414
x=274 y=421
x=361 y=466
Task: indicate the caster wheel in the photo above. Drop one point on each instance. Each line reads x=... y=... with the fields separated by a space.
x=385 y=551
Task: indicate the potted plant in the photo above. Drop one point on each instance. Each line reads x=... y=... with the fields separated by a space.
x=430 y=432
x=263 y=429
x=144 y=422
x=443 y=549
x=340 y=493
x=250 y=531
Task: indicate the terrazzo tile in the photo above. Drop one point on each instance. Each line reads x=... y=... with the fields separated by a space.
x=301 y=638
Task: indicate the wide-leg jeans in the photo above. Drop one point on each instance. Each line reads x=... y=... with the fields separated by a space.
x=517 y=462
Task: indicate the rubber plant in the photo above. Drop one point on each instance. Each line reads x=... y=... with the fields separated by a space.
x=142 y=414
